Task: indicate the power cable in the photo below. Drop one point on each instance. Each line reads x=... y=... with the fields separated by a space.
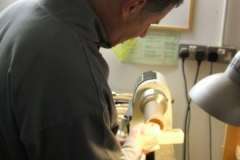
x=212 y=57
x=199 y=56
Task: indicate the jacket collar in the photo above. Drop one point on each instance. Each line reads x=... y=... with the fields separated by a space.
x=80 y=16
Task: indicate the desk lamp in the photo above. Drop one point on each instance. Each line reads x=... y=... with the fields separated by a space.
x=219 y=94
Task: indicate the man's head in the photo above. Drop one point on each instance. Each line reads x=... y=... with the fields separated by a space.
x=126 y=19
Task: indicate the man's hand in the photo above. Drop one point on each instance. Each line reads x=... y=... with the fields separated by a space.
x=120 y=140
x=147 y=136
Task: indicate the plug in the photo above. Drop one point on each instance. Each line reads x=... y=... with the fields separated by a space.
x=212 y=57
x=184 y=53
x=199 y=56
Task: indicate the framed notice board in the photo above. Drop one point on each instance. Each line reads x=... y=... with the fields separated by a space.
x=178 y=19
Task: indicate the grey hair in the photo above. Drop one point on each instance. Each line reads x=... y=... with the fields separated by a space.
x=160 y=5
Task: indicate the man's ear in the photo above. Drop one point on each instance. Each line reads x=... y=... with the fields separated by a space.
x=130 y=6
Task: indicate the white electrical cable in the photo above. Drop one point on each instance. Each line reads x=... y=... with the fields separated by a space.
x=225 y=7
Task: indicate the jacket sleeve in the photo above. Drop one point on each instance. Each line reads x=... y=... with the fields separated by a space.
x=84 y=137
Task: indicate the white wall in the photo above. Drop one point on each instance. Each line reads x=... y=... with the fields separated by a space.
x=5 y=3
x=206 y=30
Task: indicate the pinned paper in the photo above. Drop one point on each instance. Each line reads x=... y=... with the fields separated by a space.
x=122 y=50
x=159 y=47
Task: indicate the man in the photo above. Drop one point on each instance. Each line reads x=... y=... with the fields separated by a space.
x=55 y=102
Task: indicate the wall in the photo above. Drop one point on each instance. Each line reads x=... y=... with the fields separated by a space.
x=206 y=30
x=5 y=3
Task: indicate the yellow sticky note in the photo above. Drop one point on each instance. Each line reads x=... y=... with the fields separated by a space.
x=121 y=50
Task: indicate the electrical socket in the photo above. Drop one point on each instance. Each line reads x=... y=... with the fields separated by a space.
x=192 y=49
x=225 y=54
